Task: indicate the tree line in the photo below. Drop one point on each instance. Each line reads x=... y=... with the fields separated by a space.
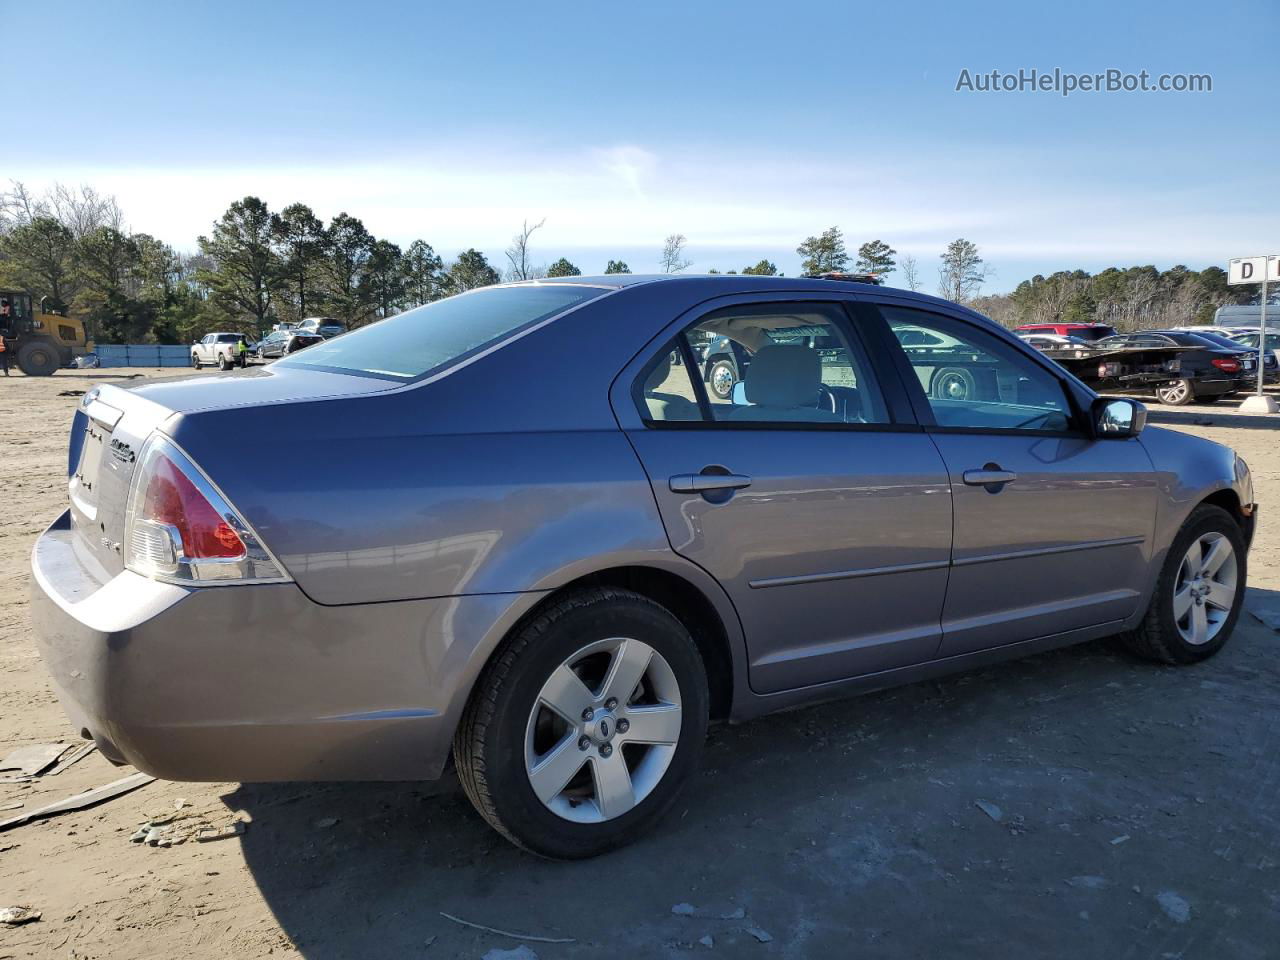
x=256 y=266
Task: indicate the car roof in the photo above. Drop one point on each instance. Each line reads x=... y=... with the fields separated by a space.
x=729 y=283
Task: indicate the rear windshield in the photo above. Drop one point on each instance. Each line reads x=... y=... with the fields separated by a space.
x=411 y=345
x=228 y=337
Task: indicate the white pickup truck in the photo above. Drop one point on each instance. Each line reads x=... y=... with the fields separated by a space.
x=219 y=348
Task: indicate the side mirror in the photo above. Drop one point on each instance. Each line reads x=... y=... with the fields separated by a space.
x=1116 y=418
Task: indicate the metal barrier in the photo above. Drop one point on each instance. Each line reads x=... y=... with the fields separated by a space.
x=143 y=355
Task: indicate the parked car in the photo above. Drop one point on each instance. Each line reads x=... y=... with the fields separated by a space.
x=1248 y=356
x=280 y=343
x=324 y=326
x=463 y=542
x=216 y=348
x=1202 y=373
x=1054 y=341
x=1249 y=340
x=1084 y=331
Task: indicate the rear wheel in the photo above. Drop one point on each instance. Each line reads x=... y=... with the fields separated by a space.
x=584 y=727
x=37 y=360
x=1175 y=394
x=222 y=362
x=1199 y=594
x=954 y=383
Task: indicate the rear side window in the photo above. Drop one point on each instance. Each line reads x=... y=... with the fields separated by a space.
x=772 y=363
x=413 y=344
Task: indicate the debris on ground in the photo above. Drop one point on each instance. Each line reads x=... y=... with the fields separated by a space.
x=181 y=802
x=506 y=933
x=14 y=916
x=707 y=941
x=519 y=953
x=1089 y=882
x=683 y=909
x=209 y=834
x=75 y=756
x=32 y=760
x=324 y=823
x=762 y=935
x=14 y=805
x=81 y=800
x=739 y=914
x=1174 y=906
x=1116 y=841
x=990 y=809
x=1268 y=616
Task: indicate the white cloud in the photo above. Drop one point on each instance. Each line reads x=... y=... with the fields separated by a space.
x=1023 y=206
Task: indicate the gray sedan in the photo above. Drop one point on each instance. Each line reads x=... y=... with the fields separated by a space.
x=516 y=530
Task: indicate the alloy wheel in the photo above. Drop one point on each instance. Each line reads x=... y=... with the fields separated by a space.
x=603 y=730
x=1175 y=393
x=1205 y=590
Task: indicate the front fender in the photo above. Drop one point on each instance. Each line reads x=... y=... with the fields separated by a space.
x=1190 y=470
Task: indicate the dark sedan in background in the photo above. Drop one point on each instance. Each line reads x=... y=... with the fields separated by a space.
x=1204 y=371
x=281 y=343
x=506 y=529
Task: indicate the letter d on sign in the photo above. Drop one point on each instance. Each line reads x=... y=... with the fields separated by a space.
x=1246 y=270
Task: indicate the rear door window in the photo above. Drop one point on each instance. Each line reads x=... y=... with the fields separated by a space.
x=773 y=363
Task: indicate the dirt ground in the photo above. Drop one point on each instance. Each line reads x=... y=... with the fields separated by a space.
x=1076 y=803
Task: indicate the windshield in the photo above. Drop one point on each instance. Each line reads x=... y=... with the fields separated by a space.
x=415 y=343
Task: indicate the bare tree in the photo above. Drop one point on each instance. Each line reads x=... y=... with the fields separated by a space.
x=522 y=267
x=910 y=272
x=673 y=258
x=19 y=206
x=962 y=272
x=85 y=210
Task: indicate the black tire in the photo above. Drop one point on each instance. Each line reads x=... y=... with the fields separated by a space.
x=37 y=360
x=722 y=386
x=489 y=746
x=195 y=362
x=1157 y=637
x=1176 y=396
x=222 y=362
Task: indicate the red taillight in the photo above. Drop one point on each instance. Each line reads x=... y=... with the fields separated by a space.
x=172 y=499
x=1226 y=364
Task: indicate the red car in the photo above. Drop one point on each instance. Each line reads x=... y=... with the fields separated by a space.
x=1085 y=331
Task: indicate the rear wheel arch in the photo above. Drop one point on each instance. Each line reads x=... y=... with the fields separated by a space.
x=685 y=600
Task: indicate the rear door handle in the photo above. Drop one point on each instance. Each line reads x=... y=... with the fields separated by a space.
x=987 y=477
x=702 y=482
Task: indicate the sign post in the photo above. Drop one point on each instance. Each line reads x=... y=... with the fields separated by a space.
x=1261 y=270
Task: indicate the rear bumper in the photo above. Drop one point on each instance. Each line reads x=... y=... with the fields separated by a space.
x=257 y=683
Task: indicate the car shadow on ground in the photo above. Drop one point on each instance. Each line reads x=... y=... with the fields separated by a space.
x=1079 y=796
x=1223 y=415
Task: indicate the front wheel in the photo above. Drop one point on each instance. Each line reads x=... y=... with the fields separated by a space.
x=722 y=379
x=1198 y=597
x=585 y=725
x=195 y=362
x=1176 y=394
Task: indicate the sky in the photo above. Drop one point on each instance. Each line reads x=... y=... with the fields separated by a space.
x=745 y=126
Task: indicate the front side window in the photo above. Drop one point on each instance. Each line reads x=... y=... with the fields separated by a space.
x=973 y=380
x=770 y=363
x=417 y=342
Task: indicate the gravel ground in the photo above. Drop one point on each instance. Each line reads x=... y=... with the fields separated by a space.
x=1075 y=803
